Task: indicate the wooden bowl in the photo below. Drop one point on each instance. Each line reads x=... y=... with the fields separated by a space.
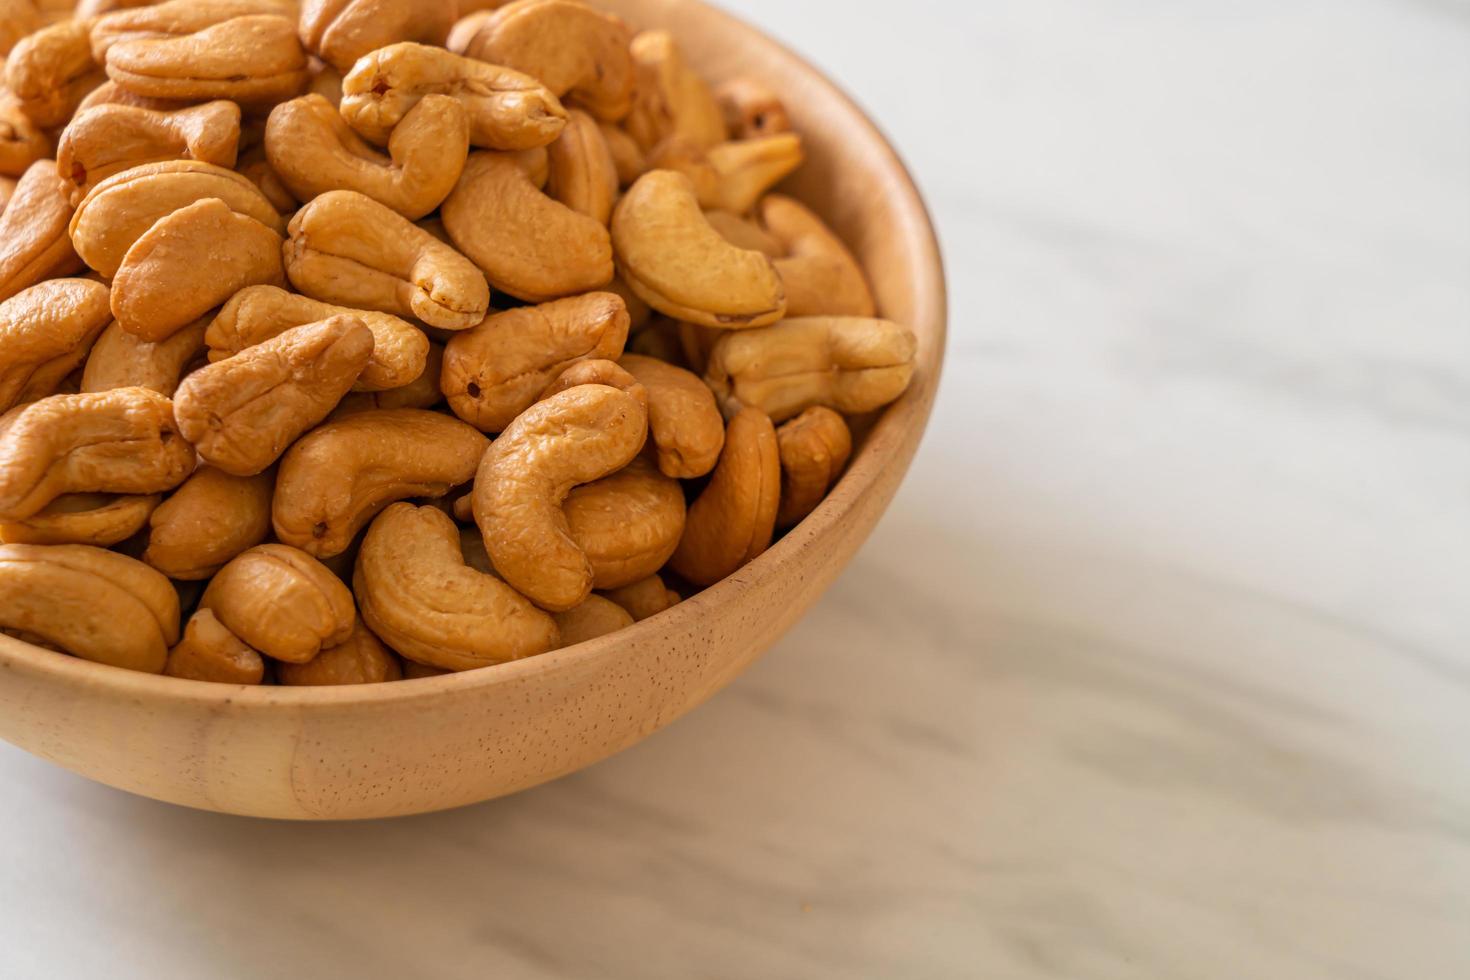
x=415 y=746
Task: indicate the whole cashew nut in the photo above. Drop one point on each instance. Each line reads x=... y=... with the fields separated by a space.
x=581 y=171
x=210 y=652
x=255 y=60
x=578 y=436
x=243 y=412
x=670 y=98
x=670 y=256
x=121 y=360
x=822 y=277
x=815 y=447
x=496 y=371
x=348 y=249
x=84 y=518
x=342 y=31
x=360 y=659
x=628 y=523
x=731 y=176
x=594 y=617
x=313 y=151
x=110 y=139
x=207 y=521
x=418 y=595
x=282 y=602
x=340 y=476
x=683 y=419
x=734 y=518
x=94 y=604
x=173 y=18
x=120 y=441
x=51 y=70
x=45 y=332
x=33 y=240
x=645 y=598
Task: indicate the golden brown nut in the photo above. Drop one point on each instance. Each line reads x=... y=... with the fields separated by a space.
x=258 y=313
x=820 y=274
x=112 y=138
x=422 y=392
x=120 y=441
x=578 y=436
x=22 y=142
x=83 y=518
x=348 y=249
x=175 y=18
x=313 y=151
x=595 y=372
x=628 y=524
x=581 y=172
x=282 y=602
x=627 y=156
x=342 y=31
x=683 y=419
x=120 y=360
x=745 y=233
x=670 y=98
x=671 y=257
x=527 y=244
x=45 y=332
x=361 y=659
x=734 y=518
x=645 y=598
x=94 y=604
x=243 y=412
x=338 y=477
x=594 y=617
x=751 y=110
x=814 y=447
x=51 y=70
x=209 y=520
x=120 y=210
x=574 y=50
x=418 y=595
x=731 y=176
x=495 y=371
x=210 y=652
x=851 y=364
x=507 y=110
x=255 y=60
x=33 y=240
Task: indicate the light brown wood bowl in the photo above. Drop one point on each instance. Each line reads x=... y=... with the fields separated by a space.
x=415 y=746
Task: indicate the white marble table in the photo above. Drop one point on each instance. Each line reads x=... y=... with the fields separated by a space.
x=1159 y=667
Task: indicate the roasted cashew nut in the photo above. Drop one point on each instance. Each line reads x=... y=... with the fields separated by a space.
x=593 y=617
x=581 y=172
x=628 y=523
x=255 y=60
x=45 y=332
x=121 y=360
x=110 y=139
x=207 y=521
x=342 y=31
x=360 y=659
x=822 y=277
x=33 y=240
x=174 y=18
x=815 y=447
x=670 y=98
x=51 y=70
x=683 y=419
x=578 y=436
x=210 y=652
x=418 y=595
x=282 y=602
x=731 y=176
x=84 y=518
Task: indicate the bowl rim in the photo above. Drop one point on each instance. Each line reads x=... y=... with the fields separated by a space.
x=905 y=419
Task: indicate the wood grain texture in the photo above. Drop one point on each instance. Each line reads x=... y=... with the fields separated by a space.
x=422 y=745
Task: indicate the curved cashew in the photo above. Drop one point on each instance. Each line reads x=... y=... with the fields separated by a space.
x=645 y=598
x=243 y=412
x=83 y=518
x=683 y=419
x=419 y=596
x=751 y=110
x=578 y=436
x=121 y=360
x=207 y=521
x=851 y=364
x=628 y=524
x=313 y=151
x=120 y=441
x=342 y=31
x=734 y=518
x=258 y=313
x=348 y=249
x=45 y=332
x=594 y=617
x=22 y=142
x=51 y=70
x=581 y=172
x=338 y=477
x=254 y=60
x=119 y=210
x=573 y=49
x=821 y=275
x=94 y=604
x=173 y=18
x=670 y=98
x=210 y=652
x=113 y=138
x=360 y=659
x=814 y=448
x=527 y=244
x=33 y=240
x=731 y=176
x=282 y=602
x=495 y=371
x=507 y=110
x=671 y=256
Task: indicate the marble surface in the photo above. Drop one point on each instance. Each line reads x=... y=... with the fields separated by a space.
x=1158 y=667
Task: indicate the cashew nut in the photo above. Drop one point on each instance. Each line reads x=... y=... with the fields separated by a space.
x=593 y=617
x=821 y=275
x=734 y=518
x=360 y=659
x=243 y=412
x=671 y=257
x=670 y=98
x=119 y=441
x=110 y=139
x=33 y=240
x=22 y=142
x=45 y=332
x=644 y=598
x=581 y=171
x=348 y=249
x=628 y=524
x=731 y=176
x=683 y=419
x=94 y=604
x=282 y=602
x=746 y=234
x=83 y=518
x=207 y=521
x=751 y=110
x=121 y=360
x=174 y=18
x=578 y=436
x=342 y=31
x=51 y=70
x=495 y=371
x=313 y=151
x=814 y=448
x=210 y=652
x=851 y=364
x=418 y=595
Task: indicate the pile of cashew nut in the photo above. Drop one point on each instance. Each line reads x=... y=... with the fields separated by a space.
x=371 y=339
